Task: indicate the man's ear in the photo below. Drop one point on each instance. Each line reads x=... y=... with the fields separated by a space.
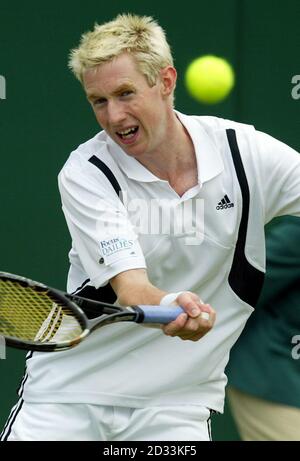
x=168 y=77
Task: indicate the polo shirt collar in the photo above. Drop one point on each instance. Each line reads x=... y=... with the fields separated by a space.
x=209 y=161
x=131 y=167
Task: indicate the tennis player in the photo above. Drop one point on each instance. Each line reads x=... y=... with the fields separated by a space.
x=162 y=208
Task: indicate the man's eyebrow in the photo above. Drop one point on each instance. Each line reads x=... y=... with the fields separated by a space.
x=123 y=87
x=116 y=92
x=93 y=95
x=90 y=96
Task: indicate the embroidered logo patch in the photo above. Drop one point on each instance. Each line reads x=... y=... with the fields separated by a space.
x=117 y=248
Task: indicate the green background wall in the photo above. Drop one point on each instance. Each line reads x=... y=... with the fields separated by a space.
x=45 y=115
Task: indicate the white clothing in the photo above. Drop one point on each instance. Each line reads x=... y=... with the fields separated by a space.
x=81 y=422
x=220 y=256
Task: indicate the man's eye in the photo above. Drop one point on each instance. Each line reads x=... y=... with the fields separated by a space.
x=126 y=93
x=99 y=101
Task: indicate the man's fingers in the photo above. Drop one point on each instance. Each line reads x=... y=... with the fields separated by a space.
x=204 y=315
x=172 y=328
x=192 y=304
x=188 y=328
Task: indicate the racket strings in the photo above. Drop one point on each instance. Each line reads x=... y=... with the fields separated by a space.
x=32 y=314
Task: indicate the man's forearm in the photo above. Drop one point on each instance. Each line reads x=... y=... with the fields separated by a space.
x=133 y=287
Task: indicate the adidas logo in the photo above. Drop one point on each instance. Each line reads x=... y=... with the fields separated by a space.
x=225 y=203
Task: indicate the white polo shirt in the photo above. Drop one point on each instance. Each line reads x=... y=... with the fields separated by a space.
x=209 y=241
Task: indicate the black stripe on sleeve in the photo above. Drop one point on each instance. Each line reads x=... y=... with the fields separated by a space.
x=108 y=173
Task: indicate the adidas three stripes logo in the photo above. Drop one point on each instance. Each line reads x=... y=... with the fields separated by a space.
x=224 y=203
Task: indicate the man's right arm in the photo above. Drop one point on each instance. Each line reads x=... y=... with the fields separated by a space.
x=133 y=287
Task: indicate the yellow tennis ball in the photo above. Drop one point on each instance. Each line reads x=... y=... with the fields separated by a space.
x=209 y=79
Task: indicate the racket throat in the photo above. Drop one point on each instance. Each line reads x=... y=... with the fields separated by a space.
x=93 y=308
x=140 y=315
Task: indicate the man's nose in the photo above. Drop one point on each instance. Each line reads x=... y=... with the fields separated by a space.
x=116 y=113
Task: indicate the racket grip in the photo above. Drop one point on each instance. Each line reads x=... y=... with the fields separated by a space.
x=158 y=314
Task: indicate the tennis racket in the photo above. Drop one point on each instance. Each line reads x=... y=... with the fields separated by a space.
x=36 y=317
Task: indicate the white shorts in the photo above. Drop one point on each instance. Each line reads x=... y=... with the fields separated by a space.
x=71 y=422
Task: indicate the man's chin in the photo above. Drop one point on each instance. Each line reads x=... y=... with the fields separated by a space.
x=133 y=150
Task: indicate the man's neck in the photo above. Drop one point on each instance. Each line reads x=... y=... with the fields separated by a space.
x=176 y=161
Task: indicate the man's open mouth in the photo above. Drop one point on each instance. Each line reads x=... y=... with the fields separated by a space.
x=128 y=134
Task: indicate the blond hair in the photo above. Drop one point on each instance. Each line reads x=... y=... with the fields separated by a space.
x=139 y=35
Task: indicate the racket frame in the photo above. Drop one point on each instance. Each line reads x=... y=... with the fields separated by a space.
x=86 y=324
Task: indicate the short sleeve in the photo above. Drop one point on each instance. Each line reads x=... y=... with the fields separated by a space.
x=280 y=176
x=101 y=231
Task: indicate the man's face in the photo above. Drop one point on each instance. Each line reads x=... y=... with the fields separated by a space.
x=132 y=113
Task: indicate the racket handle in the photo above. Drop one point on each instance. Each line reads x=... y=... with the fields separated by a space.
x=157 y=314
